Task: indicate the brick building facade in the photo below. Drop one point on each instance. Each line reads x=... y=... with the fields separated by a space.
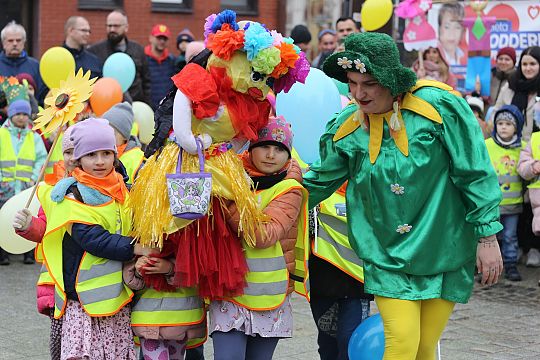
x=45 y=18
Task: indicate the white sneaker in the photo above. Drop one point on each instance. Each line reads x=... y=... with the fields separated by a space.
x=533 y=258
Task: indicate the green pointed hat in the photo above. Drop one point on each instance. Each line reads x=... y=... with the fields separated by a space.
x=375 y=54
x=13 y=90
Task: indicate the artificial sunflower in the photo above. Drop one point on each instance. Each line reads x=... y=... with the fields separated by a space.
x=65 y=102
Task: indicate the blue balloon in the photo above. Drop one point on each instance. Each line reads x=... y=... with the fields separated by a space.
x=308 y=107
x=120 y=67
x=367 y=341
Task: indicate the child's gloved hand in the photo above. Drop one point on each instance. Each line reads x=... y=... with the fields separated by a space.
x=22 y=220
x=156 y=265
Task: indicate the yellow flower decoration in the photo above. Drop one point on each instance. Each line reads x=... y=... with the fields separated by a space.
x=65 y=102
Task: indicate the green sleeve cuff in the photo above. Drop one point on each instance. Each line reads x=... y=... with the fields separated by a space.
x=487 y=229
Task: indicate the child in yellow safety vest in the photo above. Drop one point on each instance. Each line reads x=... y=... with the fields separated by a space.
x=33 y=229
x=120 y=118
x=164 y=318
x=84 y=246
x=504 y=148
x=22 y=154
x=249 y=326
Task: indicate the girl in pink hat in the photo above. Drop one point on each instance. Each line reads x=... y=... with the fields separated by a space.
x=249 y=326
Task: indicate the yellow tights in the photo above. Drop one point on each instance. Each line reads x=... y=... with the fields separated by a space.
x=412 y=328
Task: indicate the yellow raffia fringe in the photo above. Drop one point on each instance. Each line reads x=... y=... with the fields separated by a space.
x=150 y=203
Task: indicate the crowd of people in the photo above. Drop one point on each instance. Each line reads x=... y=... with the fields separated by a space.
x=393 y=177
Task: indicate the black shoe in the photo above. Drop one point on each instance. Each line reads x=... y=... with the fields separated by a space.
x=511 y=273
x=29 y=259
x=4 y=257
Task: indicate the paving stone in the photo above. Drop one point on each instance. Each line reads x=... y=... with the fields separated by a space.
x=499 y=323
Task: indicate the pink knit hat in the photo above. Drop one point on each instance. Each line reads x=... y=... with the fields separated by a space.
x=67 y=143
x=276 y=132
x=91 y=135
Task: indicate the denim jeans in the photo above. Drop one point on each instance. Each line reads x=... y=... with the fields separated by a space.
x=508 y=238
x=336 y=320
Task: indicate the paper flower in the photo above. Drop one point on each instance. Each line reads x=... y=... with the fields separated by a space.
x=65 y=102
x=208 y=26
x=225 y=17
x=256 y=38
x=225 y=42
x=288 y=58
x=298 y=73
x=360 y=66
x=344 y=63
x=266 y=60
x=277 y=37
x=405 y=228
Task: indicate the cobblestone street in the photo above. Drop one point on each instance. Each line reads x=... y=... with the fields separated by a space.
x=499 y=323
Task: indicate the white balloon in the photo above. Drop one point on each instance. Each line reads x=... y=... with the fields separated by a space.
x=144 y=116
x=9 y=240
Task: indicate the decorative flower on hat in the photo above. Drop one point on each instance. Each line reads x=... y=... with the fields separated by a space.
x=360 y=66
x=344 y=63
x=65 y=102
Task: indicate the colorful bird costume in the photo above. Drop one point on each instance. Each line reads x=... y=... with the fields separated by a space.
x=220 y=102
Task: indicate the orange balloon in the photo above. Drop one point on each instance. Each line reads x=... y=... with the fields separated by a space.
x=106 y=93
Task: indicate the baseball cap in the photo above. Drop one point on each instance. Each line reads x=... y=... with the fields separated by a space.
x=161 y=30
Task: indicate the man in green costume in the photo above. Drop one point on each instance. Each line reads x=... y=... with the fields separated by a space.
x=422 y=199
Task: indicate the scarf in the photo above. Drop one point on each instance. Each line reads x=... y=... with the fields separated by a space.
x=512 y=143
x=162 y=58
x=260 y=180
x=121 y=149
x=522 y=88
x=111 y=185
x=59 y=172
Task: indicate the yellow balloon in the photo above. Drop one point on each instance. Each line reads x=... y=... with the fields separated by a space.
x=10 y=241
x=144 y=117
x=376 y=13
x=55 y=65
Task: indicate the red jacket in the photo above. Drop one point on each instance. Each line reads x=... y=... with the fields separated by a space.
x=35 y=232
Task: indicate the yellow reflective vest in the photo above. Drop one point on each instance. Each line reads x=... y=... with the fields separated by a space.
x=56 y=155
x=16 y=166
x=161 y=308
x=535 y=149
x=332 y=242
x=132 y=160
x=267 y=278
x=99 y=284
x=44 y=195
x=505 y=162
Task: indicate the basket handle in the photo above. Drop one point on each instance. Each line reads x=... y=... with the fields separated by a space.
x=198 y=141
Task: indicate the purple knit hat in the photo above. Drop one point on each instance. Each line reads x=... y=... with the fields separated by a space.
x=276 y=132
x=67 y=143
x=91 y=135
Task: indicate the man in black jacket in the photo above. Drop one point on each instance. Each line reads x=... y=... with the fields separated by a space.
x=117 y=41
x=77 y=30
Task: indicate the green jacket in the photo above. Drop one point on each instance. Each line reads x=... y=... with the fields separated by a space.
x=413 y=218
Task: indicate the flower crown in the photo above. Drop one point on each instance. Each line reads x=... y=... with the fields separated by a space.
x=268 y=51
